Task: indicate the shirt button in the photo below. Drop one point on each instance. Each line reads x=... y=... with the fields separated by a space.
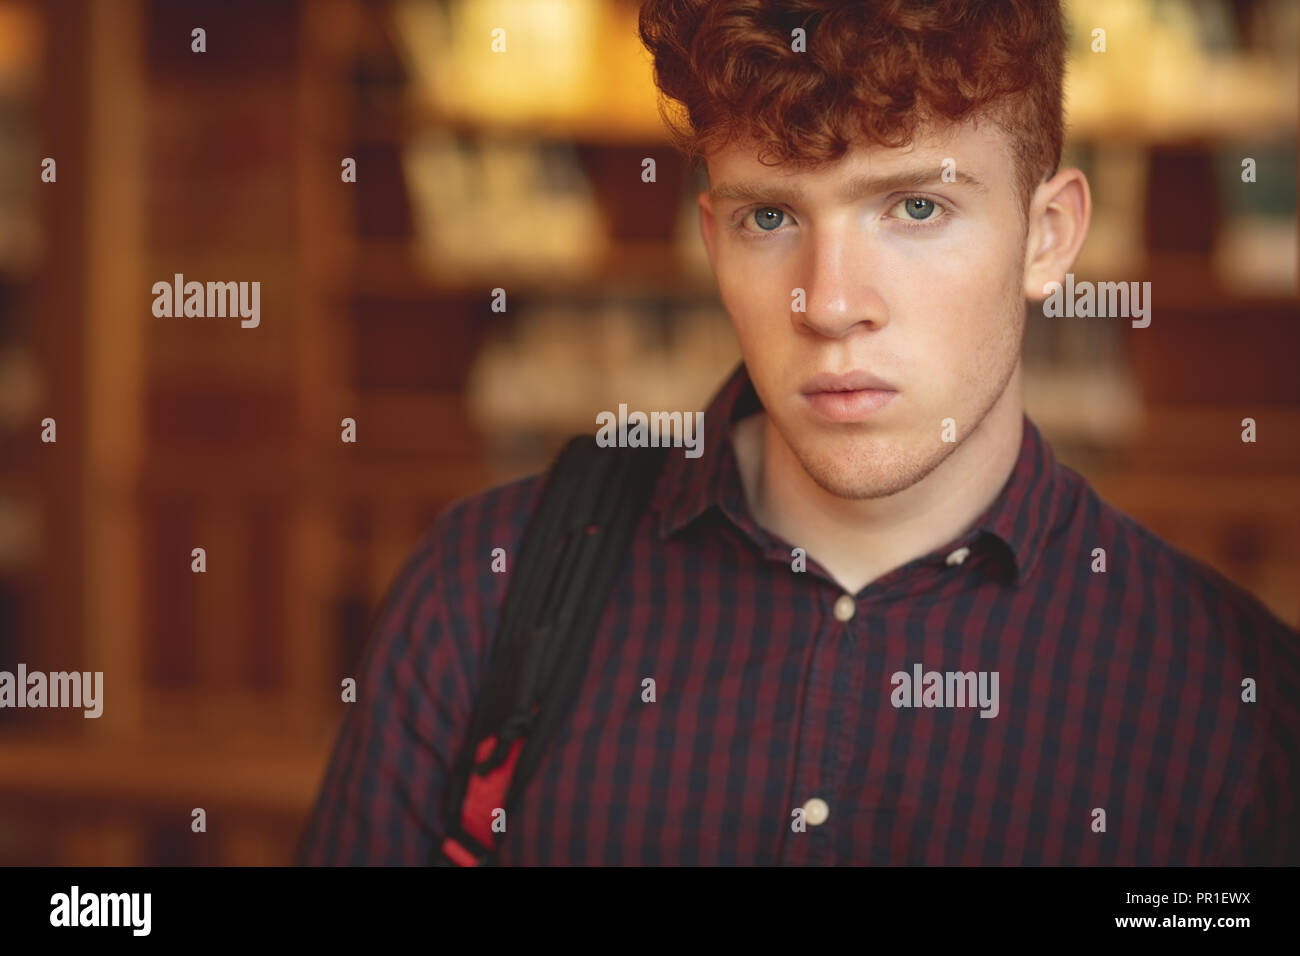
x=815 y=811
x=844 y=607
x=958 y=556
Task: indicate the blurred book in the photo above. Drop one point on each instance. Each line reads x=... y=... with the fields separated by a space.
x=524 y=208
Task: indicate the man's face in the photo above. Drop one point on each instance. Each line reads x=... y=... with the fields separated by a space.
x=911 y=279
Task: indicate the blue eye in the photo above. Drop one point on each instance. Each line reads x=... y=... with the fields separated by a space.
x=764 y=218
x=918 y=208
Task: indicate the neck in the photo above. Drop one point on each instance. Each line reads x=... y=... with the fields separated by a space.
x=859 y=540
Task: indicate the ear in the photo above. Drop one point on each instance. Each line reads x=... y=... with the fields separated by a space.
x=707 y=227
x=1059 y=212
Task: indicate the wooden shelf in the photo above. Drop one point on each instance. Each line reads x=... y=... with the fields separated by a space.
x=385 y=269
x=407 y=117
x=168 y=774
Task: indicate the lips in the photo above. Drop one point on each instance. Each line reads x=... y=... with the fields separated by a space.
x=850 y=397
x=848 y=382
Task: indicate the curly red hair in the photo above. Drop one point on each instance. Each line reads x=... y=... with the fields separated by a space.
x=874 y=68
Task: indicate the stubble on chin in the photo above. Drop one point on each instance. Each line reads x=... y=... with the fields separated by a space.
x=863 y=467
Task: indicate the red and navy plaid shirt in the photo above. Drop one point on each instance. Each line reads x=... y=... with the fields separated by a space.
x=1126 y=727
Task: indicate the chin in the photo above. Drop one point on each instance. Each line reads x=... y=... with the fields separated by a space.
x=866 y=468
x=856 y=486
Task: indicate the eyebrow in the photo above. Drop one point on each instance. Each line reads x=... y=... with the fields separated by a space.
x=855 y=189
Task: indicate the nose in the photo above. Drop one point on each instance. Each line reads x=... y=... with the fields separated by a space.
x=841 y=293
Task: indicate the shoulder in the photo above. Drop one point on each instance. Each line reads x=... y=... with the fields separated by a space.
x=470 y=545
x=1195 y=606
x=471 y=527
x=1224 y=669
x=444 y=598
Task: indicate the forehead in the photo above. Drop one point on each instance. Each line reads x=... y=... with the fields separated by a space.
x=976 y=154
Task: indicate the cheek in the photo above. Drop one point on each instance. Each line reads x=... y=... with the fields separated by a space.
x=756 y=300
x=961 y=320
x=746 y=293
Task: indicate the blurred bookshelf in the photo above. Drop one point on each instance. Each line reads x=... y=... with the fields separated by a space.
x=522 y=174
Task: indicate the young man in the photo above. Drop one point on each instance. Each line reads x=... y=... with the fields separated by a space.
x=884 y=625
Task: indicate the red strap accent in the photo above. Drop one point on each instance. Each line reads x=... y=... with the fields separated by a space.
x=486 y=793
x=458 y=854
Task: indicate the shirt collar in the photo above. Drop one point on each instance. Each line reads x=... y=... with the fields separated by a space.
x=1019 y=518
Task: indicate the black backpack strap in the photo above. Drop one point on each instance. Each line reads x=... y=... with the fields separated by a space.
x=569 y=559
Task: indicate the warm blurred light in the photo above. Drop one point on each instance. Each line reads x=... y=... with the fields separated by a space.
x=1187 y=76
x=564 y=62
x=20 y=47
